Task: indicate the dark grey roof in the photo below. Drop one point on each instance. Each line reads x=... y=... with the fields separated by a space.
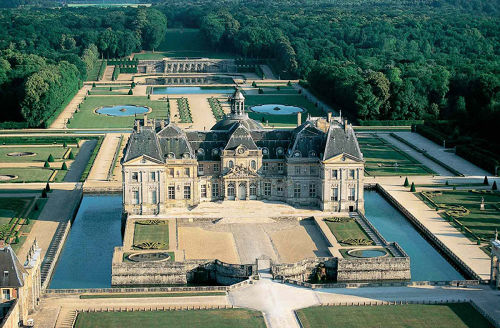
x=11 y=270
x=240 y=136
x=229 y=122
x=340 y=141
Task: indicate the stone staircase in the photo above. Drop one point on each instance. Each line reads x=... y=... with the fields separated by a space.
x=51 y=254
x=66 y=318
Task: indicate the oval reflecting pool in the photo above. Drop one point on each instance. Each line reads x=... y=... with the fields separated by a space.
x=122 y=110
x=276 y=109
x=367 y=253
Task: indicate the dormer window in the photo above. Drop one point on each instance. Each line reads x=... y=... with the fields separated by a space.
x=265 y=151
x=297 y=154
x=171 y=155
x=280 y=151
x=312 y=153
x=186 y=155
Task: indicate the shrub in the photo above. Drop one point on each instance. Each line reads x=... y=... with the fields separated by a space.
x=446 y=183
x=46 y=164
x=71 y=156
x=254 y=84
x=261 y=91
x=44 y=194
x=132 y=85
x=130 y=92
x=16 y=240
x=64 y=167
x=494 y=186
x=47 y=187
x=278 y=88
x=485 y=181
x=50 y=159
x=27 y=221
x=406 y=184
x=65 y=145
x=110 y=89
x=93 y=84
x=412 y=188
x=289 y=83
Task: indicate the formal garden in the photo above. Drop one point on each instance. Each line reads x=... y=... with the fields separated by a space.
x=86 y=117
x=151 y=234
x=110 y=89
x=227 y=318
x=184 y=110
x=348 y=232
x=385 y=159
x=463 y=209
x=453 y=315
x=216 y=107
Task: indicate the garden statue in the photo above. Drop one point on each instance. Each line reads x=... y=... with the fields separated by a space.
x=482 y=204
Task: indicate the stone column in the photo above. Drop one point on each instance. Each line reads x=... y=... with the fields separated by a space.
x=248 y=190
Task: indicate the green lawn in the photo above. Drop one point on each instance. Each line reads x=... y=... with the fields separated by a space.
x=144 y=295
x=347 y=230
x=12 y=207
x=459 y=315
x=27 y=174
x=189 y=319
x=382 y=158
x=42 y=153
x=87 y=118
x=287 y=99
x=151 y=233
x=93 y=74
x=184 y=43
x=481 y=223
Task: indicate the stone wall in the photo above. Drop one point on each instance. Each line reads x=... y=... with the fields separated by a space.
x=179 y=273
x=306 y=270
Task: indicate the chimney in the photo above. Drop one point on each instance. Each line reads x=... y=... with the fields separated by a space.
x=145 y=119
x=162 y=124
x=299 y=118
x=346 y=125
x=329 y=117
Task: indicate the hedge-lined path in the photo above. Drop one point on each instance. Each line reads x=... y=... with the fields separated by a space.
x=444 y=155
x=203 y=118
x=108 y=74
x=67 y=113
x=78 y=166
x=104 y=158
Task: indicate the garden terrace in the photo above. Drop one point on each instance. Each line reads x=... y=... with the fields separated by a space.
x=112 y=90
x=348 y=232
x=216 y=108
x=382 y=158
x=192 y=319
x=151 y=234
x=184 y=110
x=87 y=118
x=462 y=208
x=453 y=315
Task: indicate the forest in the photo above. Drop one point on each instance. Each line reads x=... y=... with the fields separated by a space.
x=45 y=54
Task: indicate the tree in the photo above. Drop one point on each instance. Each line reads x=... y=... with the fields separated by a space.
x=412 y=188
x=71 y=155
x=130 y=92
x=65 y=145
x=494 y=186
x=46 y=164
x=485 y=181
x=44 y=193
x=64 y=167
x=406 y=184
x=50 y=159
x=47 y=187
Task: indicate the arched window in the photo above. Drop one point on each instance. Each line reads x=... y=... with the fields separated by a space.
x=253 y=165
x=230 y=190
x=253 y=189
x=230 y=164
x=265 y=151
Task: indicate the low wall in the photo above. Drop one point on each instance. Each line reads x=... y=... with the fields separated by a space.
x=306 y=270
x=380 y=268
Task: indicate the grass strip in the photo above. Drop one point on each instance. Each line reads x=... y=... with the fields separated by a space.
x=145 y=295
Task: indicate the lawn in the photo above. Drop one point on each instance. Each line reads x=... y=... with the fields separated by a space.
x=12 y=207
x=93 y=74
x=27 y=174
x=382 y=158
x=344 y=231
x=42 y=154
x=458 y=315
x=287 y=99
x=481 y=223
x=151 y=233
x=193 y=319
x=143 y=295
x=87 y=118
x=184 y=43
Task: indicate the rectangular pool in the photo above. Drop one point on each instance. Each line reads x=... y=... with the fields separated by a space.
x=190 y=90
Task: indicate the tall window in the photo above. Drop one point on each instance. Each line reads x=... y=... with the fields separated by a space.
x=335 y=194
x=265 y=167
x=201 y=169
x=171 y=192
x=297 y=170
x=186 y=171
x=296 y=190
x=230 y=164
x=280 y=167
x=187 y=192
x=335 y=174
x=171 y=172
x=253 y=190
x=216 y=167
x=135 y=176
x=230 y=190
x=352 y=193
x=153 y=197
x=203 y=191
x=313 y=170
x=215 y=190
x=135 y=197
x=267 y=189
x=253 y=164
x=352 y=174
x=312 y=190
x=153 y=176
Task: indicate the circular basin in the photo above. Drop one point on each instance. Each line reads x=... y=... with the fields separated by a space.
x=123 y=110
x=21 y=154
x=6 y=177
x=149 y=257
x=366 y=253
x=276 y=109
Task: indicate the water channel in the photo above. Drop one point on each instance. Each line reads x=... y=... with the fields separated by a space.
x=191 y=90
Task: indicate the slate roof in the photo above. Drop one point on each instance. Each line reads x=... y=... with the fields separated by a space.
x=304 y=143
x=11 y=270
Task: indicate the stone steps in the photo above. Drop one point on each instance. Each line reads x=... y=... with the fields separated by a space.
x=52 y=250
x=66 y=318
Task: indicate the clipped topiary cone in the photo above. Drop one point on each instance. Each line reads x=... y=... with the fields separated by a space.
x=412 y=188
x=406 y=184
x=46 y=164
x=50 y=159
x=494 y=186
x=64 y=166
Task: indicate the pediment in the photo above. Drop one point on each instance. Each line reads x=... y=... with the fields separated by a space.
x=343 y=158
x=143 y=160
x=239 y=171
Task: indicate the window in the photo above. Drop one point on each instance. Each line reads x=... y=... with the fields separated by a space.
x=253 y=164
x=135 y=176
x=216 y=167
x=153 y=196
x=267 y=189
x=186 y=171
x=204 y=191
x=335 y=194
x=280 y=167
x=312 y=190
x=297 y=170
x=6 y=293
x=253 y=190
x=200 y=169
x=335 y=174
x=135 y=197
x=171 y=172
x=279 y=189
x=352 y=174
x=215 y=190
x=265 y=167
x=230 y=164
x=230 y=190
x=352 y=193
x=313 y=170
x=153 y=176
x=171 y=192
x=187 y=192
x=296 y=190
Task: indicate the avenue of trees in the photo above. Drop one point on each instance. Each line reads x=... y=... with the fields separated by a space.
x=46 y=53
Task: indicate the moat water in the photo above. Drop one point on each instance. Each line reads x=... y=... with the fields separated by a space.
x=425 y=261
x=85 y=260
